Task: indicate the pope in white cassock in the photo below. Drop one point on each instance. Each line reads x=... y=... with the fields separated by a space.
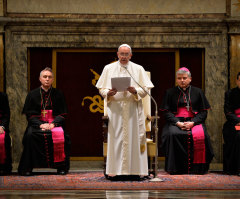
x=126 y=154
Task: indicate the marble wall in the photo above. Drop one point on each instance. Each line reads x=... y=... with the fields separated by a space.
x=235 y=8
x=210 y=34
x=117 y=7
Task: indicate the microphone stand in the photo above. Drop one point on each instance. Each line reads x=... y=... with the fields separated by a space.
x=155 y=179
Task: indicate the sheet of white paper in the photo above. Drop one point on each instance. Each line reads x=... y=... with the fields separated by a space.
x=121 y=83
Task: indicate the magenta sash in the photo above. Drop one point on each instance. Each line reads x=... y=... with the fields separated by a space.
x=2 y=148
x=57 y=137
x=198 y=137
x=237 y=113
x=183 y=112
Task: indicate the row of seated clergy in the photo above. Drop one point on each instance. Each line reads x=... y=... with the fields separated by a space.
x=195 y=154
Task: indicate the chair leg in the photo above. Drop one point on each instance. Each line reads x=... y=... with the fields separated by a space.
x=153 y=166
x=150 y=166
x=104 y=168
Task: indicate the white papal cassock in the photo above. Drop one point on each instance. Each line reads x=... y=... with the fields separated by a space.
x=126 y=128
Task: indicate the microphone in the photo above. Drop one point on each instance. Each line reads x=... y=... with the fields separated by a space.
x=143 y=89
x=155 y=179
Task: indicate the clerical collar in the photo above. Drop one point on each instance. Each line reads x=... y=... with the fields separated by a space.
x=185 y=89
x=187 y=101
x=46 y=91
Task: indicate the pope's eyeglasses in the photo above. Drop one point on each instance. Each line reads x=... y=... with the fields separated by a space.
x=124 y=54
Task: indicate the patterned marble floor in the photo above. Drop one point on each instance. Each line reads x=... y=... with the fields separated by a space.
x=119 y=194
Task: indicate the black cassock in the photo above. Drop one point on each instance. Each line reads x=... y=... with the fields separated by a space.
x=231 y=152
x=38 y=149
x=177 y=144
x=6 y=167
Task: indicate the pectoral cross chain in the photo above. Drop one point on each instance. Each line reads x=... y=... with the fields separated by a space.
x=44 y=112
x=187 y=101
x=187 y=107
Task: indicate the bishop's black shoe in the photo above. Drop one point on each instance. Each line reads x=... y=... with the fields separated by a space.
x=3 y=172
x=61 y=172
x=26 y=173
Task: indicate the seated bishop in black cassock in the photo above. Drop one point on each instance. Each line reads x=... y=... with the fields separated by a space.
x=185 y=141
x=231 y=131
x=5 y=141
x=46 y=144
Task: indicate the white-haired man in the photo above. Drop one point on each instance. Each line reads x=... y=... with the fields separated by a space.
x=126 y=154
x=46 y=144
x=185 y=141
